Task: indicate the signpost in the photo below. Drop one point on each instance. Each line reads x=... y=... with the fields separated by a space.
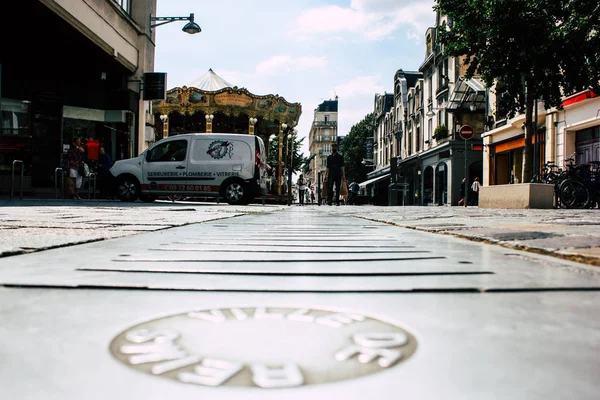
x=466 y=132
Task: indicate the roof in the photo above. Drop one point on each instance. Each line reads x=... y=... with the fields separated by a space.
x=210 y=82
x=328 y=106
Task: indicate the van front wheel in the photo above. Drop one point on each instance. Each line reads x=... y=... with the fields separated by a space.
x=128 y=188
x=235 y=192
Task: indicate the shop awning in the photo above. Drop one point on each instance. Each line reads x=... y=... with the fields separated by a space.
x=370 y=181
x=467 y=92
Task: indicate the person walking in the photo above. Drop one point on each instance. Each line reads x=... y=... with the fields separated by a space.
x=335 y=173
x=75 y=155
x=475 y=189
x=105 y=178
x=354 y=188
x=463 y=188
x=301 y=183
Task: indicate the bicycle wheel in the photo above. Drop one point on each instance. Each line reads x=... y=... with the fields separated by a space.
x=574 y=194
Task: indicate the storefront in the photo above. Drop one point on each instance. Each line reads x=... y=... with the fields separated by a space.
x=54 y=87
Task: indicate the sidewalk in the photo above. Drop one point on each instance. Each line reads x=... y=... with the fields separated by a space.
x=30 y=225
x=569 y=234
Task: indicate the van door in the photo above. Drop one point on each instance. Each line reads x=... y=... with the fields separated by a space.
x=164 y=168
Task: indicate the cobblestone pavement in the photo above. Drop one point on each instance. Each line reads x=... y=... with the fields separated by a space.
x=269 y=302
x=32 y=225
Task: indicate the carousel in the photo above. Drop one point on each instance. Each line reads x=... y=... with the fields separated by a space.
x=212 y=105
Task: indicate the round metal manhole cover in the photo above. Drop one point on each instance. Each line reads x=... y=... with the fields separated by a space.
x=263 y=347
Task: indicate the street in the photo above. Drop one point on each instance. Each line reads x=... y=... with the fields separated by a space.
x=116 y=300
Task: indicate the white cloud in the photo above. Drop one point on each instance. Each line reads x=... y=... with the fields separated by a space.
x=284 y=64
x=374 y=19
x=362 y=85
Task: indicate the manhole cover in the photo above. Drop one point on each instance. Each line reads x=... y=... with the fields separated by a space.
x=263 y=347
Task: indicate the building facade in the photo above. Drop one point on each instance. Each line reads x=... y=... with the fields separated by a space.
x=80 y=78
x=570 y=131
x=323 y=133
x=418 y=141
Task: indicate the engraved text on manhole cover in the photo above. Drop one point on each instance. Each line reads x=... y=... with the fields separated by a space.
x=263 y=347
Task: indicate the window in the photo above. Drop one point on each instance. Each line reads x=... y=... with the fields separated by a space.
x=15 y=118
x=429 y=128
x=173 y=150
x=327 y=118
x=124 y=4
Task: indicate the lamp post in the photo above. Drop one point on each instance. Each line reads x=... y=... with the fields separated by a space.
x=209 y=118
x=191 y=27
x=165 y=118
x=251 y=122
x=282 y=127
x=291 y=163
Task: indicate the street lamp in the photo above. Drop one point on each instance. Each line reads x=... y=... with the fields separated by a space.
x=251 y=122
x=191 y=27
x=291 y=163
x=209 y=118
x=282 y=128
x=164 y=118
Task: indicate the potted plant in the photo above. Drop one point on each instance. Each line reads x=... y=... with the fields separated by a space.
x=440 y=132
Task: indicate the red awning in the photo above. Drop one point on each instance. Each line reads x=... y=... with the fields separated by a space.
x=580 y=97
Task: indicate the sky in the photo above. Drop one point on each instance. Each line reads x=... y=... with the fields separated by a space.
x=306 y=51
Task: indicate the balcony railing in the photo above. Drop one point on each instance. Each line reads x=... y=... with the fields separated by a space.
x=324 y=123
x=322 y=138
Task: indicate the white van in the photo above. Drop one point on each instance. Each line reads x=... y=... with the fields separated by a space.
x=227 y=165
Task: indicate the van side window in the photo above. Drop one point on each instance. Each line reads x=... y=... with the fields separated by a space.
x=173 y=150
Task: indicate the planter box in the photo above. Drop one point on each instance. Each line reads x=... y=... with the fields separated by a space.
x=521 y=195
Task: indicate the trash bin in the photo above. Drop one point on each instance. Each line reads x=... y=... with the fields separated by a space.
x=397 y=194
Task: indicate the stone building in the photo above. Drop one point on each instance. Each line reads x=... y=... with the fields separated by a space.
x=323 y=133
x=81 y=77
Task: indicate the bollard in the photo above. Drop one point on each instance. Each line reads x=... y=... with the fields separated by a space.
x=62 y=182
x=92 y=183
x=12 y=181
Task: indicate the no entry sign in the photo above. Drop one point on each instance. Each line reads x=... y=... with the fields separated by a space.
x=466 y=132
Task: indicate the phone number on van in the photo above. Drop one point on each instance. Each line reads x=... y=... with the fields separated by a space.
x=187 y=188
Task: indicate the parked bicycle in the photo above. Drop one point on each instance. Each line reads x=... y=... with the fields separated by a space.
x=575 y=186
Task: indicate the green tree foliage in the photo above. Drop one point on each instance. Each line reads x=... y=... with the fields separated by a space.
x=298 y=158
x=536 y=49
x=353 y=147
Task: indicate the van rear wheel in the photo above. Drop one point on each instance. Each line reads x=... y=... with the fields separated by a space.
x=235 y=192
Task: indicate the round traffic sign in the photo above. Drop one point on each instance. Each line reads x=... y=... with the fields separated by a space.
x=466 y=132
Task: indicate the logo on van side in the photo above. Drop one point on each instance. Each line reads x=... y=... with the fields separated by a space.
x=220 y=148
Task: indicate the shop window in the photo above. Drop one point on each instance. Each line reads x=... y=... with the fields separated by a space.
x=16 y=118
x=15 y=133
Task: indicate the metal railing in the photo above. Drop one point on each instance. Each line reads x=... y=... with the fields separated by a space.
x=59 y=172
x=12 y=181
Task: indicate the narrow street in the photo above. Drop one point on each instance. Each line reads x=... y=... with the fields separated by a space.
x=276 y=302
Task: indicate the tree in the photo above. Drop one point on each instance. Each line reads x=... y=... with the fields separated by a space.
x=273 y=152
x=353 y=147
x=536 y=49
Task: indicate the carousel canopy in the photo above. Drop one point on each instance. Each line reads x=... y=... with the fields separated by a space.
x=210 y=82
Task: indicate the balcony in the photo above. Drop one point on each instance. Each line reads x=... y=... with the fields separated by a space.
x=322 y=138
x=324 y=123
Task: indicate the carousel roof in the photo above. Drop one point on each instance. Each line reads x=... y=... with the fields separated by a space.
x=210 y=82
